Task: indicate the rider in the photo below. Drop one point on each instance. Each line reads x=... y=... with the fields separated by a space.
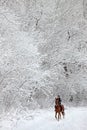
x=58 y=100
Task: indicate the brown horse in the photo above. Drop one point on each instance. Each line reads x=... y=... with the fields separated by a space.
x=59 y=109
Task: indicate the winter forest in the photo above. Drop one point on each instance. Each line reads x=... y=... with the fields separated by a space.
x=43 y=53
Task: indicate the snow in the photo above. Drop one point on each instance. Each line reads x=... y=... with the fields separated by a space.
x=75 y=119
x=38 y=40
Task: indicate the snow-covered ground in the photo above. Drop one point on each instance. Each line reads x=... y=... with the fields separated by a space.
x=75 y=119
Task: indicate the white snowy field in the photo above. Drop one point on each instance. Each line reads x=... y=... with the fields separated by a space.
x=75 y=119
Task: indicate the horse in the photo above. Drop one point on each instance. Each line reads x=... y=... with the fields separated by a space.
x=59 y=109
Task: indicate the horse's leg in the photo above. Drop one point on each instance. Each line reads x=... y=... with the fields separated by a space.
x=55 y=114
x=59 y=116
x=63 y=113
